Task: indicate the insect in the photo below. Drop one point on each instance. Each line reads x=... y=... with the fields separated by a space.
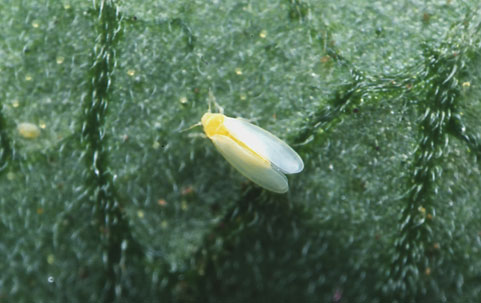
x=254 y=152
x=28 y=130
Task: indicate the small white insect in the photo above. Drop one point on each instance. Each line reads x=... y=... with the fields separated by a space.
x=254 y=152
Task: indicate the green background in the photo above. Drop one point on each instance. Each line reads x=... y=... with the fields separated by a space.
x=113 y=202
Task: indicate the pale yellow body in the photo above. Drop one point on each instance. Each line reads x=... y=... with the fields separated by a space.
x=28 y=130
x=214 y=125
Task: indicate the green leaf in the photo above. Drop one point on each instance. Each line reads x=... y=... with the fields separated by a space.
x=105 y=196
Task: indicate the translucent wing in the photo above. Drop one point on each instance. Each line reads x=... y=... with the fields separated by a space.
x=250 y=165
x=265 y=144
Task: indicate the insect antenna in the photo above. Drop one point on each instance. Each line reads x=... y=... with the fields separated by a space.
x=212 y=100
x=190 y=127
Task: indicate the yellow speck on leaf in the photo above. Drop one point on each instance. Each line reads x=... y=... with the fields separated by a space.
x=140 y=214
x=35 y=24
x=325 y=59
x=60 y=60
x=131 y=72
x=183 y=100
x=263 y=34
x=28 y=130
x=238 y=71
x=466 y=84
x=28 y=78
x=50 y=259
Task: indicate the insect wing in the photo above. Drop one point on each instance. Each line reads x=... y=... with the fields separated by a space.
x=265 y=144
x=250 y=165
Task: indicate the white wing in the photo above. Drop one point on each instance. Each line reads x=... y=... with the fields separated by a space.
x=250 y=165
x=265 y=144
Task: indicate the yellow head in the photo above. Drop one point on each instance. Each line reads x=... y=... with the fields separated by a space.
x=214 y=124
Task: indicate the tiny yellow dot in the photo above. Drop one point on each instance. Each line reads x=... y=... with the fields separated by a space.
x=238 y=71
x=43 y=125
x=35 y=24
x=15 y=103
x=50 y=259
x=183 y=100
x=263 y=34
x=422 y=210
x=243 y=97
x=164 y=224
x=183 y=205
x=28 y=130
x=466 y=84
x=66 y=6
x=325 y=59
x=156 y=145
x=60 y=59
x=28 y=78
x=131 y=72
x=140 y=214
